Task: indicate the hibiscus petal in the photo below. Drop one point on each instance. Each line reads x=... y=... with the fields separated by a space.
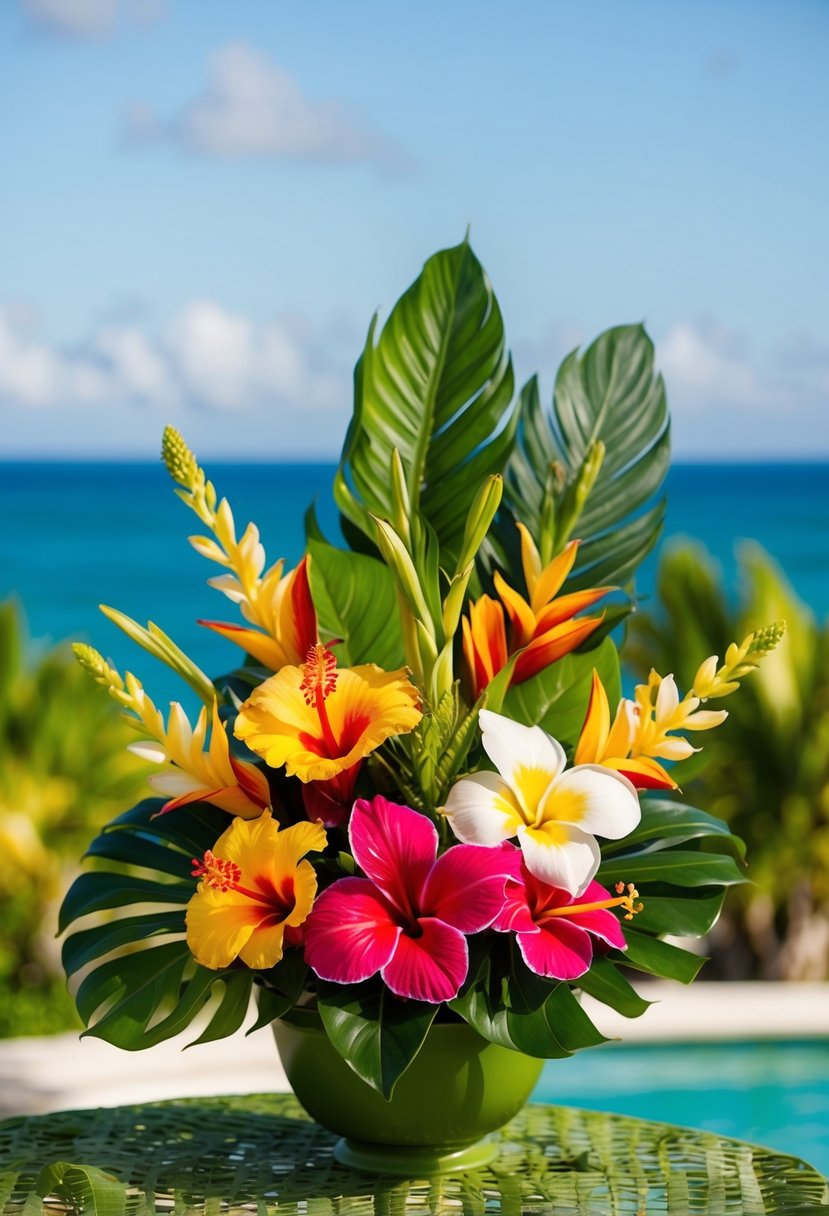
x=515 y=916
x=601 y=924
x=481 y=810
x=560 y=855
x=465 y=888
x=560 y=951
x=430 y=967
x=596 y=799
x=351 y=932
x=219 y=924
x=264 y=947
x=395 y=846
x=511 y=747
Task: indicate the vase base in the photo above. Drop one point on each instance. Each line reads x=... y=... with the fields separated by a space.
x=418 y=1161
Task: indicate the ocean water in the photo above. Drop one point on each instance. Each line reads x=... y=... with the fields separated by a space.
x=76 y=535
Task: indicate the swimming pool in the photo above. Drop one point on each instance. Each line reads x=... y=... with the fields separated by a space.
x=774 y=1093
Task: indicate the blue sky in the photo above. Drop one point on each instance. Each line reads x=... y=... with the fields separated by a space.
x=204 y=202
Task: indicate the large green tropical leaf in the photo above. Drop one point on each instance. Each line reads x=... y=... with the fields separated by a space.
x=608 y=395
x=437 y=386
x=665 y=824
x=508 y=1004
x=133 y=989
x=681 y=867
x=145 y=986
x=556 y=698
x=376 y=1033
x=356 y=601
x=606 y=984
x=650 y=954
x=681 y=912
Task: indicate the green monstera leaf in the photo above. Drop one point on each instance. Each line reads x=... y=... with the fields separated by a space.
x=437 y=386
x=594 y=466
x=145 y=986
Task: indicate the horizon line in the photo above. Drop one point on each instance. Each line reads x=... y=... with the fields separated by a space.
x=259 y=461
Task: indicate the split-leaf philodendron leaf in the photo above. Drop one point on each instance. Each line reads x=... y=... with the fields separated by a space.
x=436 y=385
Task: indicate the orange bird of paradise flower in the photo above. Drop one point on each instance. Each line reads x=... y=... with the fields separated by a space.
x=543 y=628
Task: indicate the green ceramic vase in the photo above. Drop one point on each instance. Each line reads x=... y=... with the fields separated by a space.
x=456 y=1093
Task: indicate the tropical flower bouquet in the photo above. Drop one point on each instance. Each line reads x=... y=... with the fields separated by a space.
x=420 y=807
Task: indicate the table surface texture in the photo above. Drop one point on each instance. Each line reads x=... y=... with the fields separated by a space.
x=262 y=1154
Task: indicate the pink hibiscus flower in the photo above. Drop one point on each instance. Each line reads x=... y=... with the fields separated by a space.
x=408 y=918
x=554 y=931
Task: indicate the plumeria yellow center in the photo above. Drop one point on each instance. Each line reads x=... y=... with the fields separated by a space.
x=627 y=897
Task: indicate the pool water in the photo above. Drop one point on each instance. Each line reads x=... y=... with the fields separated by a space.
x=774 y=1093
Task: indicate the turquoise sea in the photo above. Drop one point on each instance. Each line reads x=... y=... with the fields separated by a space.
x=76 y=535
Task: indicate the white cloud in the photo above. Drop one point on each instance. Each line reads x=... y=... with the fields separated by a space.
x=206 y=357
x=244 y=387
x=251 y=107
x=89 y=18
x=706 y=364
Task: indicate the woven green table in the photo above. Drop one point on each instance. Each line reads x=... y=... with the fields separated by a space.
x=261 y=1154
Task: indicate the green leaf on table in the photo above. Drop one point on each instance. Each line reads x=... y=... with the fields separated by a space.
x=356 y=600
x=85 y=1190
x=437 y=386
x=376 y=1033
x=556 y=698
x=609 y=395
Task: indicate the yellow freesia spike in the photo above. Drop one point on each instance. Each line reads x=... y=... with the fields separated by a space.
x=194 y=771
x=712 y=681
x=277 y=606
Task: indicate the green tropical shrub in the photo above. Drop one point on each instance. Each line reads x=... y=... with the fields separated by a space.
x=63 y=770
x=766 y=772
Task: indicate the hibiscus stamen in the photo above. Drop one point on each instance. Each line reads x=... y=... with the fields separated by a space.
x=319 y=679
x=627 y=897
x=223 y=875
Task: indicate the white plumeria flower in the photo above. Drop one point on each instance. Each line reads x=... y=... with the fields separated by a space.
x=554 y=813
